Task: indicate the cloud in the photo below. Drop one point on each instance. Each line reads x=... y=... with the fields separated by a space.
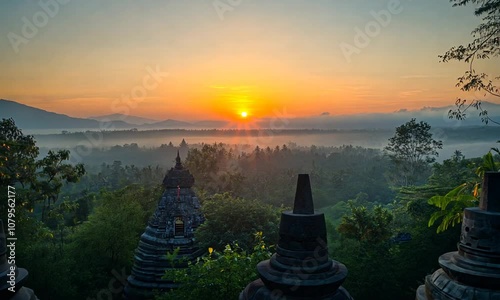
x=420 y=76
x=410 y=93
x=325 y=113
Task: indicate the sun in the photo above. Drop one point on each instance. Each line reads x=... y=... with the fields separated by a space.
x=244 y=114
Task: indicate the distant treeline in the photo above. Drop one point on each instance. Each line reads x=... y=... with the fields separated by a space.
x=375 y=138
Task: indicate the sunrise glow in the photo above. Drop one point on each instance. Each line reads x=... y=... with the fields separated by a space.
x=179 y=60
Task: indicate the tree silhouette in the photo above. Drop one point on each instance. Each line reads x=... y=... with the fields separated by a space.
x=485 y=45
x=411 y=150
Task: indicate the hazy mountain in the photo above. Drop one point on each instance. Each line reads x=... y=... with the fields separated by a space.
x=210 y=124
x=125 y=118
x=435 y=116
x=27 y=117
x=176 y=124
x=167 y=124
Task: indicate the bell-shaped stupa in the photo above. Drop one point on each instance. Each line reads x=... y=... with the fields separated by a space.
x=472 y=272
x=300 y=268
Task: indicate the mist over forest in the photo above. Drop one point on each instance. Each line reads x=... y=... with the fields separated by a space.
x=248 y=175
x=135 y=147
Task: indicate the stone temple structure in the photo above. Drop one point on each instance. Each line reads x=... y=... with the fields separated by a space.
x=172 y=226
x=300 y=268
x=472 y=272
x=20 y=292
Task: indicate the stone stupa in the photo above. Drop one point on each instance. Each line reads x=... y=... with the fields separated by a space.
x=300 y=268
x=171 y=227
x=472 y=272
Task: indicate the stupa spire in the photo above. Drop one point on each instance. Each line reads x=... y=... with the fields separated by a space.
x=178 y=163
x=178 y=176
x=303 y=196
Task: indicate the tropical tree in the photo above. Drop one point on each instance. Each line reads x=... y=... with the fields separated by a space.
x=484 y=45
x=218 y=275
x=107 y=240
x=39 y=180
x=369 y=226
x=214 y=170
x=18 y=153
x=233 y=220
x=465 y=195
x=364 y=247
x=52 y=174
x=452 y=206
x=411 y=150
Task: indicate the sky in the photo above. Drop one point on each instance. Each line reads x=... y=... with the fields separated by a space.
x=215 y=59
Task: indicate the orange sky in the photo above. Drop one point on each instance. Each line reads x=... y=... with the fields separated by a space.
x=92 y=58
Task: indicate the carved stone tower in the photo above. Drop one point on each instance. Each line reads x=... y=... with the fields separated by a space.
x=472 y=272
x=171 y=227
x=300 y=268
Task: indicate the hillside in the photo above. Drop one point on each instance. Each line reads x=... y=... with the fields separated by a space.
x=28 y=117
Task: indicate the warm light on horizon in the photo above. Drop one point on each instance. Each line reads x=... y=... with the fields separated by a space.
x=212 y=70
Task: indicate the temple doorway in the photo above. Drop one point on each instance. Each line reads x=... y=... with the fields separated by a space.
x=179 y=227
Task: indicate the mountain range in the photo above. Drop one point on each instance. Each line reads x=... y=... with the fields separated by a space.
x=27 y=117
x=134 y=120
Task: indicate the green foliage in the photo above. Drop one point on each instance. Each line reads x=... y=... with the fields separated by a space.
x=453 y=171
x=452 y=205
x=108 y=239
x=38 y=249
x=18 y=154
x=339 y=173
x=113 y=228
x=53 y=173
x=39 y=180
x=335 y=212
x=465 y=195
x=93 y=227
x=411 y=150
x=172 y=256
x=214 y=168
x=115 y=176
x=232 y=220
x=366 y=250
x=218 y=275
x=367 y=226
x=488 y=165
x=411 y=261
x=446 y=176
